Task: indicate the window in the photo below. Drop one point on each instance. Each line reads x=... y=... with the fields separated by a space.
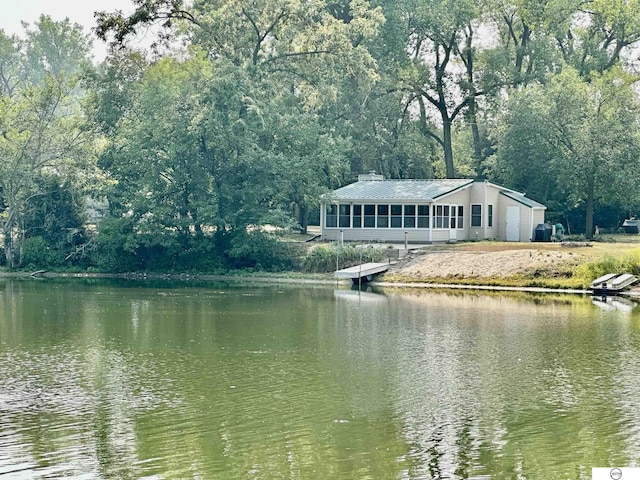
x=441 y=216
x=410 y=216
x=332 y=216
x=396 y=216
x=489 y=215
x=460 y=216
x=369 y=216
x=383 y=216
x=345 y=216
x=476 y=215
x=357 y=216
x=423 y=216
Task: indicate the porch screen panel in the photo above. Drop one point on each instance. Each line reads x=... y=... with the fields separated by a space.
x=423 y=216
x=438 y=212
x=383 y=216
x=460 y=216
x=357 y=216
x=369 y=216
x=409 y=216
x=332 y=216
x=396 y=216
x=345 y=216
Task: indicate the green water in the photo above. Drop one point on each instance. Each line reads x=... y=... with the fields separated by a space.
x=128 y=380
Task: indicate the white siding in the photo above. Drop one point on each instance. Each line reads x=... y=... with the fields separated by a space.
x=493 y=198
x=526 y=229
x=529 y=219
x=395 y=235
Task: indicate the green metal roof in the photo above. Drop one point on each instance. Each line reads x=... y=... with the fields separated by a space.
x=520 y=198
x=397 y=189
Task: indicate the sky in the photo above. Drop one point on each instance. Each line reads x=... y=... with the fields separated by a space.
x=12 y=12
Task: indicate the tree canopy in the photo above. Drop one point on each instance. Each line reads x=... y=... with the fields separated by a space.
x=243 y=113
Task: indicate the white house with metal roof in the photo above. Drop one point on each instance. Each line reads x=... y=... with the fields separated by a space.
x=377 y=210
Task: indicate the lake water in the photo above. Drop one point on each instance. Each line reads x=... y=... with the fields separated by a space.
x=130 y=380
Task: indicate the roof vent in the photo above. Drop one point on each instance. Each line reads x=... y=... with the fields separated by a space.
x=363 y=177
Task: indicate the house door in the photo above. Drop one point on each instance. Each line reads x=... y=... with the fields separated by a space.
x=453 y=233
x=513 y=224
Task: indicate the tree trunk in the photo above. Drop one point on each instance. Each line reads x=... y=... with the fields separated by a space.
x=588 y=233
x=477 y=142
x=448 y=149
x=8 y=250
x=303 y=218
x=7 y=234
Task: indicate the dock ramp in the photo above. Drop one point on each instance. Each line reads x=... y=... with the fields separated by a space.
x=612 y=283
x=363 y=272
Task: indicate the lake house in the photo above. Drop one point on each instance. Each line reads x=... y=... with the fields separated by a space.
x=420 y=211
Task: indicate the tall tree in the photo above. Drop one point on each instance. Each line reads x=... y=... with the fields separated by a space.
x=599 y=34
x=42 y=128
x=577 y=139
x=272 y=64
x=41 y=131
x=9 y=64
x=57 y=48
x=439 y=81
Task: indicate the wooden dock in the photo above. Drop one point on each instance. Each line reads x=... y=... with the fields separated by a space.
x=362 y=273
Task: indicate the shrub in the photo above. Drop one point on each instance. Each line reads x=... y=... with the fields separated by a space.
x=116 y=246
x=327 y=257
x=260 y=251
x=36 y=254
x=629 y=262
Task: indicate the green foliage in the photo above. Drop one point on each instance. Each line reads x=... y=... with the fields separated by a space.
x=271 y=104
x=116 y=247
x=629 y=262
x=259 y=251
x=327 y=257
x=119 y=248
x=43 y=132
x=37 y=254
x=55 y=215
x=56 y=48
x=177 y=253
x=573 y=143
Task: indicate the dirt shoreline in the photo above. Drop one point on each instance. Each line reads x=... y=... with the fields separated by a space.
x=483 y=264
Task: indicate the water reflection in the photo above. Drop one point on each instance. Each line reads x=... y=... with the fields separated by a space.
x=102 y=380
x=614 y=302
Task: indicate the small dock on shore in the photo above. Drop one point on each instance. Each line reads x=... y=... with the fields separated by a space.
x=362 y=273
x=612 y=283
